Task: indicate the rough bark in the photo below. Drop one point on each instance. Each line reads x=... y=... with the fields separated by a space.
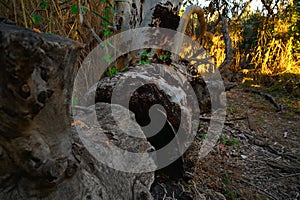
x=40 y=156
x=139 y=13
x=149 y=94
x=37 y=72
x=229 y=51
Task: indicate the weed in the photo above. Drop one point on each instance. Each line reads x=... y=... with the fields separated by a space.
x=228 y=141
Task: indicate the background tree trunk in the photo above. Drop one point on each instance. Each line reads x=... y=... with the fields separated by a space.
x=139 y=13
x=229 y=51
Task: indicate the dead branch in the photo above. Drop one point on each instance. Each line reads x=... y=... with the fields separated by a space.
x=268 y=97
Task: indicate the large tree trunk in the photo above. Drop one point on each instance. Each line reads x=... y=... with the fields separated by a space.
x=40 y=156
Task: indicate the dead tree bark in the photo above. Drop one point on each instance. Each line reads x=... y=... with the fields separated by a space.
x=37 y=72
x=40 y=156
x=139 y=13
x=150 y=94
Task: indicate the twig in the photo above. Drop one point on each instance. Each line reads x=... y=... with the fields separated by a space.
x=237 y=118
x=93 y=32
x=267 y=97
x=209 y=119
x=24 y=14
x=259 y=189
x=196 y=189
x=283 y=177
x=283 y=167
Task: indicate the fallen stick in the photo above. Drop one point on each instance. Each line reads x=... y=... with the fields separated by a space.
x=267 y=97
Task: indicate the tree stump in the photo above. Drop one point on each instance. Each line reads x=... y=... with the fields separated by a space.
x=40 y=155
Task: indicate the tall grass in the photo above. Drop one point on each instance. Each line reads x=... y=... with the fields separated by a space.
x=68 y=18
x=80 y=20
x=276 y=50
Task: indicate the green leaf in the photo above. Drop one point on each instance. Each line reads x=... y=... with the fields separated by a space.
x=75 y=101
x=145 y=53
x=74 y=9
x=234 y=141
x=107 y=12
x=227 y=180
x=106 y=32
x=108 y=73
x=44 y=4
x=83 y=9
x=36 y=19
x=125 y=69
x=102 y=17
x=223 y=140
x=102 y=44
x=107 y=59
x=111 y=71
x=144 y=62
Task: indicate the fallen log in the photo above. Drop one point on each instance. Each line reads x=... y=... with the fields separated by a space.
x=41 y=155
x=143 y=87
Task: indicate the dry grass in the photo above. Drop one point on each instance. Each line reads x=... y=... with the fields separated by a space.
x=75 y=19
x=63 y=18
x=274 y=53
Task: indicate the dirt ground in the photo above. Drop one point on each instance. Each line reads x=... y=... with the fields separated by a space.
x=257 y=157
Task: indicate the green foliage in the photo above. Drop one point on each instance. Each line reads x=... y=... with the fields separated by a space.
x=250 y=30
x=203 y=137
x=44 y=5
x=294 y=29
x=106 y=33
x=165 y=56
x=231 y=194
x=228 y=141
x=84 y=10
x=74 y=9
x=277 y=47
x=36 y=19
x=226 y=180
x=228 y=191
x=144 y=62
x=111 y=71
x=75 y=101
x=107 y=59
x=144 y=59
